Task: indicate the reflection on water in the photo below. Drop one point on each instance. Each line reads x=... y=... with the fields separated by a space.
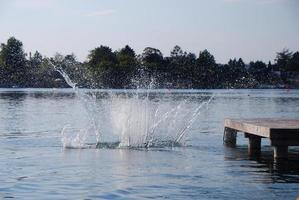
x=33 y=164
x=275 y=172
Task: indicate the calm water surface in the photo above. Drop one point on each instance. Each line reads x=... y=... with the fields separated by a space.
x=33 y=164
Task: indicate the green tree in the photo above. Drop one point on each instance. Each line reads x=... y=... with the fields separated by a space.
x=101 y=62
x=282 y=59
x=152 y=58
x=293 y=64
x=127 y=67
x=126 y=56
x=234 y=75
x=237 y=68
x=101 y=58
x=13 y=59
x=206 y=59
x=259 y=71
x=35 y=63
x=177 y=52
x=36 y=60
x=180 y=68
x=205 y=72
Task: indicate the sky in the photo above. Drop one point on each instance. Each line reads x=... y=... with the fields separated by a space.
x=250 y=29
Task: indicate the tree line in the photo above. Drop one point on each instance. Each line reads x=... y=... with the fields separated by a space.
x=105 y=68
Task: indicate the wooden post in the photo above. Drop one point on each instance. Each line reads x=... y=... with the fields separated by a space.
x=254 y=145
x=230 y=137
x=280 y=152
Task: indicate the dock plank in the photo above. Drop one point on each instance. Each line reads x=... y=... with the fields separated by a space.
x=281 y=132
x=264 y=127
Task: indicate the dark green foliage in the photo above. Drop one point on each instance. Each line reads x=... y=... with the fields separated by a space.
x=293 y=63
x=259 y=71
x=205 y=58
x=126 y=68
x=288 y=64
x=180 y=67
x=101 y=63
x=101 y=58
x=283 y=58
x=205 y=71
x=14 y=70
x=235 y=75
x=126 y=56
x=152 y=58
x=105 y=68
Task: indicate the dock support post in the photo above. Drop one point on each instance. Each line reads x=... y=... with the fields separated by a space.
x=230 y=137
x=280 y=152
x=254 y=145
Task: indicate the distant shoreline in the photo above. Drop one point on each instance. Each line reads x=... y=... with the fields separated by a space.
x=268 y=87
x=124 y=69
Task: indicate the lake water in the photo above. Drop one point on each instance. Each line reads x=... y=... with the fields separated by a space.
x=34 y=164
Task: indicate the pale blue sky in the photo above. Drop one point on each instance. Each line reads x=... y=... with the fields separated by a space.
x=251 y=29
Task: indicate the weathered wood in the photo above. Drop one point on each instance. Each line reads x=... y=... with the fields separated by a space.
x=247 y=127
x=282 y=133
x=230 y=137
x=254 y=146
x=265 y=127
x=280 y=152
x=284 y=143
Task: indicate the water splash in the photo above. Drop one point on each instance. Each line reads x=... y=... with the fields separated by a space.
x=64 y=75
x=140 y=118
x=144 y=118
x=72 y=138
x=191 y=121
x=77 y=139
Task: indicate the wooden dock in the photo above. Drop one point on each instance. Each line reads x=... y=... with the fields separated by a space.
x=281 y=132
